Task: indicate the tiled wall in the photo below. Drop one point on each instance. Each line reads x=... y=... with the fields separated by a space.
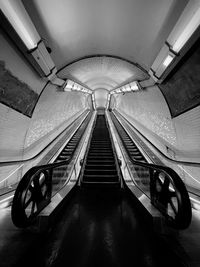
x=54 y=111
x=20 y=136
x=188 y=134
x=148 y=111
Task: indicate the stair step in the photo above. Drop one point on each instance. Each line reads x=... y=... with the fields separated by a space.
x=99 y=158
x=106 y=153
x=131 y=147
x=66 y=151
x=100 y=172
x=101 y=184
x=102 y=166
x=110 y=155
x=101 y=151
x=100 y=163
x=100 y=147
x=100 y=178
x=98 y=144
x=70 y=146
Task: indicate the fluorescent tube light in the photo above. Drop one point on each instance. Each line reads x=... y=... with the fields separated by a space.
x=134 y=86
x=20 y=21
x=169 y=58
x=71 y=85
x=188 y=30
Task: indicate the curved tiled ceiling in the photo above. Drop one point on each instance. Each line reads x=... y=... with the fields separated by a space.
x=102 y=72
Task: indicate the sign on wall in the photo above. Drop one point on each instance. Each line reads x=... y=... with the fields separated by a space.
x=182 y=88
x=16 y=94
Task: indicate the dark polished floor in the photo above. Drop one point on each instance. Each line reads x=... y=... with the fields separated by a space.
x=97 y=228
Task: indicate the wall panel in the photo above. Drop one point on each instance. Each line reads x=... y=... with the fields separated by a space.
x=177 y=137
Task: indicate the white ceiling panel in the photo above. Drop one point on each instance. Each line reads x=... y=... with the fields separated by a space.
x=131 y=29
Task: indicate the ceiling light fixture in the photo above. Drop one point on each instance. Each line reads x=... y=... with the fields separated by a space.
x=22 y=31
x=21 y=22
x=72 y=86
x=185 y=27
x=133 y=86
x=168 y=60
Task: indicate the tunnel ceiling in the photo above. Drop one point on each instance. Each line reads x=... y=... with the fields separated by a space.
x=102 y=72
x=130 y=29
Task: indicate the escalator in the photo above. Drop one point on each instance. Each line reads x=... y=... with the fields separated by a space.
x=100 y=224
x=131 y=148
x=141 y=176
x=41 y=183
x=60 y=173
x=100 y=164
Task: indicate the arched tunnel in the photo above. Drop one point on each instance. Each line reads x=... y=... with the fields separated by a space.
x=99 y=133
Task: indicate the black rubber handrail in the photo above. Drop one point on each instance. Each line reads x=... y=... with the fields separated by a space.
x=6 y=163
x=166 y=186
x=187 y=163
x=35 y=188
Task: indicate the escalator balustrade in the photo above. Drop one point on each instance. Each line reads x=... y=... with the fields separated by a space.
x=166 y=189
x=100 y=168
x=40 y=183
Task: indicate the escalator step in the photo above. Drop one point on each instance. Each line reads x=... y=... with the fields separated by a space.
x=102 y=166
x=100 y=172
x=100 y=162
x=95 y=154
x=100 y=157
x=100 y=178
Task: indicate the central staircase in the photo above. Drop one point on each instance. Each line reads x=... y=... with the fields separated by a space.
x=100 y=165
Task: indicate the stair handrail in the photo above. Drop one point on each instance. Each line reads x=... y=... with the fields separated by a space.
x=33 y=182
x=164 y=177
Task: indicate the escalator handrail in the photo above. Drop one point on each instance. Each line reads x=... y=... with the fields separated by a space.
x=187 y=163
x=14 y=162
x=184 y=214
x=152 y=166
x=31 y=182
x=37 y=169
